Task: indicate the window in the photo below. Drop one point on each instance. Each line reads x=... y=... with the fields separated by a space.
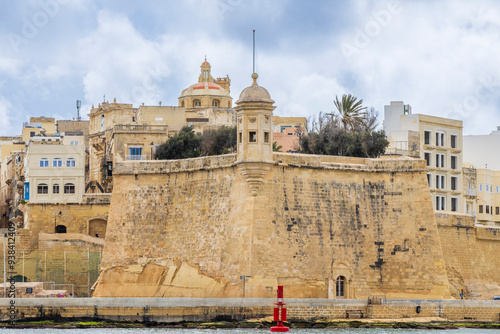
x=440 y=203
x=440 y=160
x=266 y=137
x=134 y=153
x=252 y=137
x=496 y=189
x=440 y=139
x=427 y=137
x=453 y=141
x=197 y=103
x=32 y=133
x=487 y=209
x=70 y=162
x=487 y=188
x=440 y=182
x=480 y=209
x=340 y=286
x=55 y=189
x=429 y=177
x=427 y=157
x=497 y=210
x=43 y=188
x=454 y=204
x=240 y=137
x=454 y=160
x=57 y=162
x=74 y=142
x=454 y=181
x=491 y=188
x=215 y=103
x=480 y=187
x=102 y=122
x=69 y=188
x=44 y=162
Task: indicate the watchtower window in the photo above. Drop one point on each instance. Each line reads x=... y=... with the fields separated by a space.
x=252 y=137
x=215 y=103
x=266 y=137
x=197 y=103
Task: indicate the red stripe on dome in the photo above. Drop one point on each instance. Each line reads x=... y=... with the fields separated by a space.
x=200 y=85
x=212 y=86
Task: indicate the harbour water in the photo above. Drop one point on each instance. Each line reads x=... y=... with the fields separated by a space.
x=243 y=331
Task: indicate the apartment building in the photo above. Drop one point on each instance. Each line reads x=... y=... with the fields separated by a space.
x=438 y=140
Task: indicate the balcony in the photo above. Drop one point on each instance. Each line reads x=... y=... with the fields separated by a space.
x=136 y=128
x=135 y=157
x=471 y=212
x=471 y=192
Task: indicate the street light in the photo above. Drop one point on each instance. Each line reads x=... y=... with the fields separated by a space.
x=55 y=220
x=244 y=279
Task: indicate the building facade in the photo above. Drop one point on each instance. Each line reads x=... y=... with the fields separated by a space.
x=54 y=173
x=439 y=144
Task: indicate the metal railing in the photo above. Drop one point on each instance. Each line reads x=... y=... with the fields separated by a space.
x=135 y=157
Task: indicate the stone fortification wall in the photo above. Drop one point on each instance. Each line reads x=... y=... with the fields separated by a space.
x=191 y=228
x=471 y=255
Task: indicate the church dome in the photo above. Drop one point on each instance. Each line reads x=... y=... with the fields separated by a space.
x=204 y=88
x=254 y=93
x=207 y=92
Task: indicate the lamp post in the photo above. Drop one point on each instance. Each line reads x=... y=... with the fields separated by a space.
x=244 y=279
x=55 y=220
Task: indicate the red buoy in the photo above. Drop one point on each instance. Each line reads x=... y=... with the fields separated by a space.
x=280 y=313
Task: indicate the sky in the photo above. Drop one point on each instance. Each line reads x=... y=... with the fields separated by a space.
x=441 y=57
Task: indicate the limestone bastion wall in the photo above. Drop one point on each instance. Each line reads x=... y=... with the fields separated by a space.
x=471 y=254
x=191 y=228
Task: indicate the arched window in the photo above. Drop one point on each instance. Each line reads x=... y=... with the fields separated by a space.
x=60 y=229
x=215 y=103
x=182 y=103
x=340 y=286
x=69 y=188
x=43 y=188
x=197 y=103
x=57 y=162
x=70 y=162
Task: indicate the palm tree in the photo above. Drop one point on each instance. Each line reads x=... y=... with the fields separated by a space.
x=350 y=110
x=351 y=114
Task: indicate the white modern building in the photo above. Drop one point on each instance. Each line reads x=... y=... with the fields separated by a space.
x=437 y=140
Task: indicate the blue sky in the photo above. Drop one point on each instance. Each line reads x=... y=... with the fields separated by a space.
x=441 y=57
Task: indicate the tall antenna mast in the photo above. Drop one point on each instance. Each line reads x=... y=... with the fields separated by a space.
x=78 y=105
x=253 y=51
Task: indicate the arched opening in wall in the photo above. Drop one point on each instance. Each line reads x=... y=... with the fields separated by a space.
x=215 y=103
x=340 y=285
x=182 y=103
x=97 y=228
x=197 y=103
x=20 y=278
x=60 y=229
